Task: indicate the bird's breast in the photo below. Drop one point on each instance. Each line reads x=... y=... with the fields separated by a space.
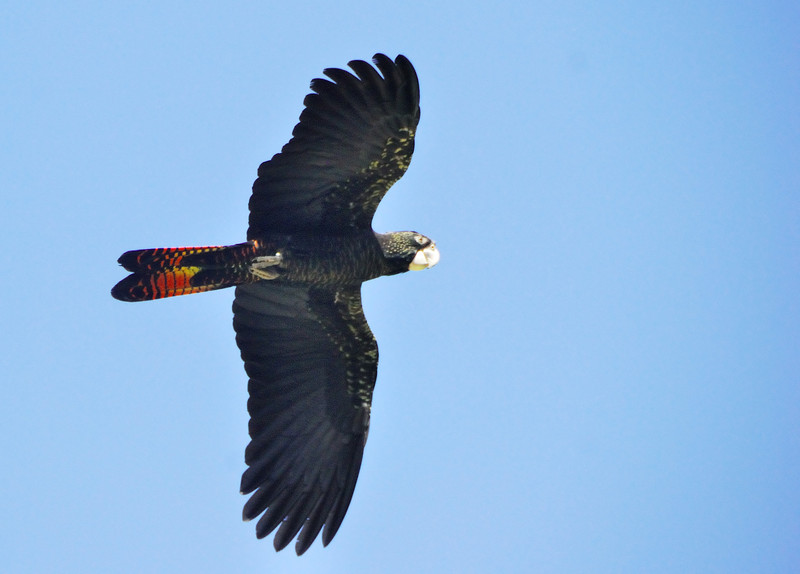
x=324 y=260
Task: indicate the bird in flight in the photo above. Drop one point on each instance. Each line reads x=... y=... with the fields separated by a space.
x=308 y=351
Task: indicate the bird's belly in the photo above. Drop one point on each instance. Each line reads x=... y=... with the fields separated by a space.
x=322 y=261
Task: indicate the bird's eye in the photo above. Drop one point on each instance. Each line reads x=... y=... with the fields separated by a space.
x=420 y=239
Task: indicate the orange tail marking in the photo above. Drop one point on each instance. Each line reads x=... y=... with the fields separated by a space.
x=161 y=257
x=172 y=271
x=176 y=281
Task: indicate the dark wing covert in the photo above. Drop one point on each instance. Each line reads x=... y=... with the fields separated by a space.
x=312 y=362
x=354 y=140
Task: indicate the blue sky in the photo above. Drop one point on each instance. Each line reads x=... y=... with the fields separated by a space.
x=601 y=375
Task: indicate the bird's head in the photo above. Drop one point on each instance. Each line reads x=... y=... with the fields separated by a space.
x=408 y=251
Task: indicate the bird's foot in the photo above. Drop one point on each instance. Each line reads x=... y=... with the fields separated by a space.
x=260 y=267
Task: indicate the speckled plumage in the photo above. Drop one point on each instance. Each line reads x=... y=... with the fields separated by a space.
x=307 y=348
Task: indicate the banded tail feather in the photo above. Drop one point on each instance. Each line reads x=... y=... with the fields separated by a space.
x=172 y=271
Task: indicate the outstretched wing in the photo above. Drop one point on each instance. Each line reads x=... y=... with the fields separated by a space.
x=312 y=362
x=354 y=140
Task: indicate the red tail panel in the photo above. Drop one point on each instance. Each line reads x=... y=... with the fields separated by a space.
x=172 y=271
x=160 y=257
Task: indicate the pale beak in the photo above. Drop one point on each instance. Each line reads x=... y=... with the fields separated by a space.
x=425 y=258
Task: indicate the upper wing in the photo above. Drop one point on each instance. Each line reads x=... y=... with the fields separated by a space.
x=354 y=140
x=312 y=362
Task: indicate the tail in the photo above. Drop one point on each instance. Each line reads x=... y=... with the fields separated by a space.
x=172 y=271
